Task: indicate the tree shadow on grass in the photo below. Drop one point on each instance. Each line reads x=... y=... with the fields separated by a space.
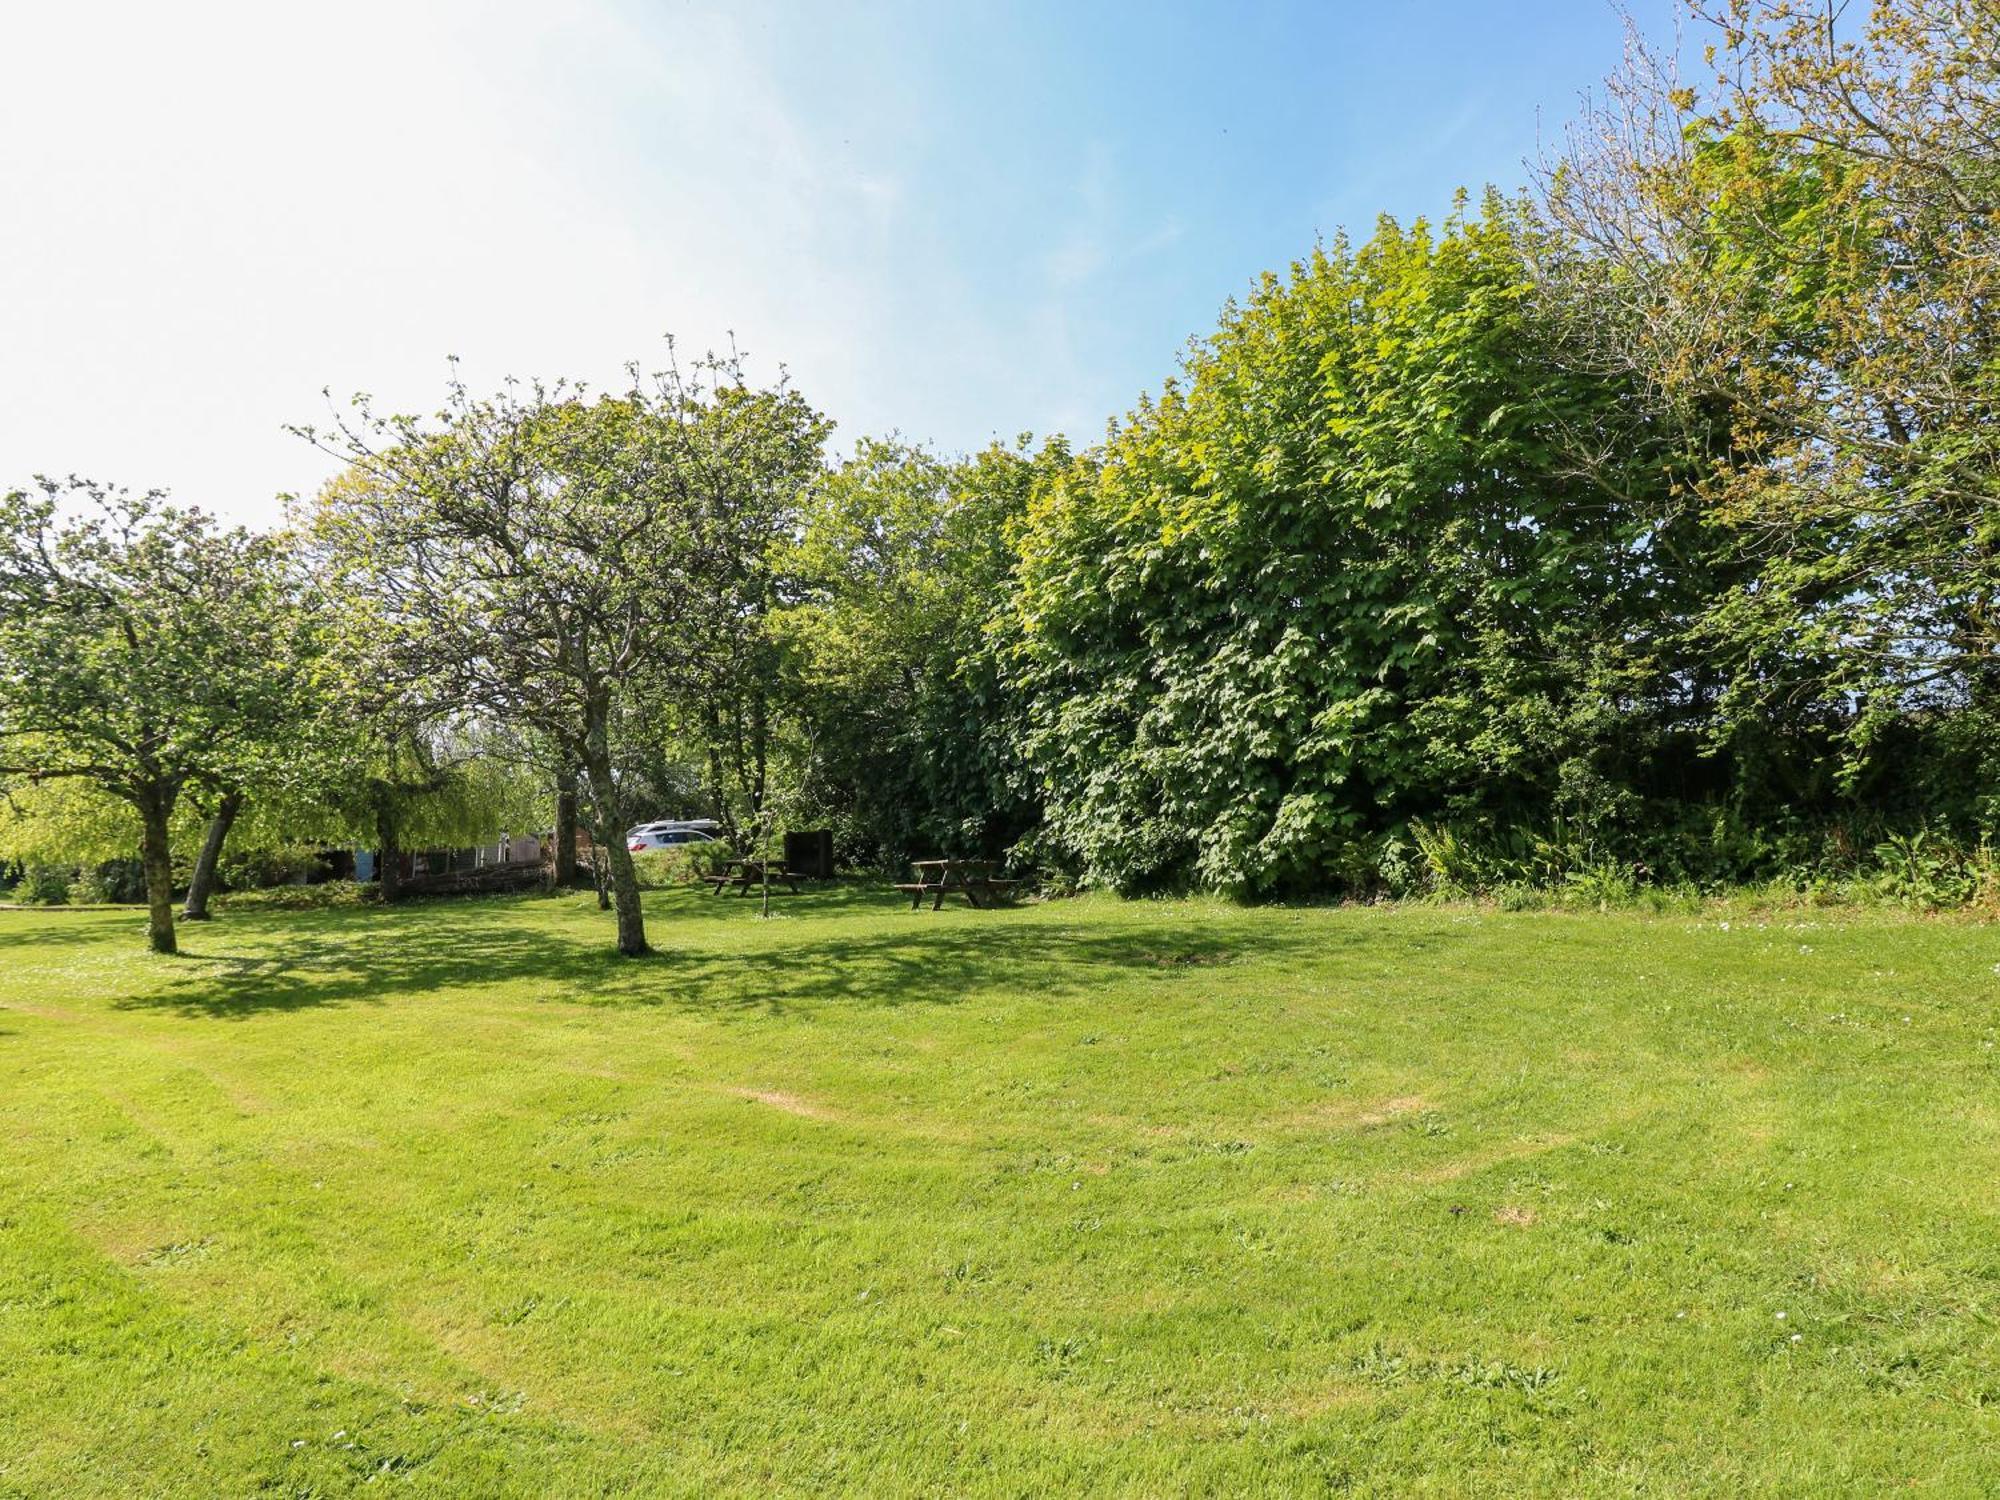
x=407 y=957
x=72 y=927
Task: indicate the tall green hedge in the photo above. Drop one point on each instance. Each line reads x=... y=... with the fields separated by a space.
x=1353 y=570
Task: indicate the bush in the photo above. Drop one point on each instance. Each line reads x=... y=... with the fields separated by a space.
x=1932 y=869
x=1928 y=870
x=89 y=889
x=44 y=885
x=1600 y=886
x=683 y=864
x=254 y=868
x=114 y=882
x=300 y=897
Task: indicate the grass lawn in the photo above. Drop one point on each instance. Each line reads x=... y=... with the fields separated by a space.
x=1139 y=1198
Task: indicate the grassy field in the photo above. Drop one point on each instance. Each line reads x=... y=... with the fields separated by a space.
x=1148 y=1198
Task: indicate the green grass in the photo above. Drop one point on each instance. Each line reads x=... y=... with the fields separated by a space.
x=1086 y=1197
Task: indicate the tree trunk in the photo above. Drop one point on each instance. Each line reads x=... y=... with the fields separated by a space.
x=202 y=882
x=758 y=738
x=624 y=878
x=564 y=874
x=157 y=857
x=388 y=856
x=597 y=821
x=720 y=786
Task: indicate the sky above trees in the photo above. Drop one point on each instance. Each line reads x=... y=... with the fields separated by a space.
x=949 y=220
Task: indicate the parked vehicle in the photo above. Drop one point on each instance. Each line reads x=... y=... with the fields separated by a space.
x=670 y=834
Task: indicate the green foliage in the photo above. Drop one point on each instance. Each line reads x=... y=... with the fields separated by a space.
x=1634 y=540
x=246 y=868
x=579 y=567
x=682 y=864
x=112 y=882
x=147 y=652
x=138 y=642
x=321 y=896
x=43 y=885
x=1926 y=870
x=1343 y=576
x=69 y=820
x=904 y=569
x=1804 y=249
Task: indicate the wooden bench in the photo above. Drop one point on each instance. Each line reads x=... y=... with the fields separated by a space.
x=938 y=878
x=747 y=874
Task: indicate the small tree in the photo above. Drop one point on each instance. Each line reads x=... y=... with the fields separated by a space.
x=1805 y=250
x=903 y=575
x=136 y=653
x=537 y=552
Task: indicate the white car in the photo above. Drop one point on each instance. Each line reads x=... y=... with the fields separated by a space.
x=670 y=835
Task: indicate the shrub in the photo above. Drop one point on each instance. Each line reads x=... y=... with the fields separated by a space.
x=86 y=890
x=1680 y=868
x=44 y=885
x=1449 y=864
x=684 y=864
x=1926 y=870
x=267 y=867
x=114 y=882
x=300 y=897
x=90 y=888
x=1600 y=886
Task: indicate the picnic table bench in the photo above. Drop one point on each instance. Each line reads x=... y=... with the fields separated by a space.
x=970 y=878
x=745 y=874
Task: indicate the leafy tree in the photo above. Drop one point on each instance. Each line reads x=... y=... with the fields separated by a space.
x=69 y=822
x=1809 y=246
x=904 y=577
x=728 y=708
x=136 y=654
x=1346 y=574
x=538 y=554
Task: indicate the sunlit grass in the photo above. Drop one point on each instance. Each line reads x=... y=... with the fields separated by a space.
x=1141 y=1198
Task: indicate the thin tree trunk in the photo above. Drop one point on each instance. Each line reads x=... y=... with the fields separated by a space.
x=157 y=858
x=624 y=878
x=202 y=881
x=563 y=877
x=720 y=785
x=596 y=822
x=758 y=737
x=388 y=856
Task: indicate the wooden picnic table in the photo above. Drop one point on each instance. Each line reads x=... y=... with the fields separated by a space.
x=746 y=874
x=970 y=878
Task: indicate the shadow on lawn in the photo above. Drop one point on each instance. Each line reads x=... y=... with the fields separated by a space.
x=68 y=925
x=404 y=957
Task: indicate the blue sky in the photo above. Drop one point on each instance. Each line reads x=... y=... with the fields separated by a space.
x=953 y=219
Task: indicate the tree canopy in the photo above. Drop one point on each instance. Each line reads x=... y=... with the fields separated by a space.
x=1642 y=526
x=542 y=556
x=144 y=650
